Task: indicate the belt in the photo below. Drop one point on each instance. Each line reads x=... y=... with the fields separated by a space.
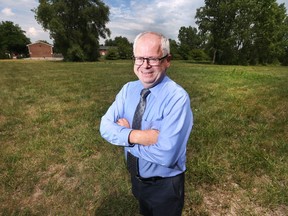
x=155 y=178
x=151 y=179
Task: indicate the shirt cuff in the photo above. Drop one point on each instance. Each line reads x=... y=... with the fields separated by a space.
x=124 y=137
x=130 y=144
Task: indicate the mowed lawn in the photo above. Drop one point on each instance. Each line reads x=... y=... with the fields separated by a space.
x=53 y=160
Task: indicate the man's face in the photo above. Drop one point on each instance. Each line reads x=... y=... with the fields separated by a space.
x=149 y=46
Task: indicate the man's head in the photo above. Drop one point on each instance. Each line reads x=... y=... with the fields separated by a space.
x=152 y=58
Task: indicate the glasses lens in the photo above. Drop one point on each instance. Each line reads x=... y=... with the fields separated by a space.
x=139 y=61
x=150 y=61
x=153 y=61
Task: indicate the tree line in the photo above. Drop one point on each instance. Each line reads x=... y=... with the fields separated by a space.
x=12 y=40
x=245 y=32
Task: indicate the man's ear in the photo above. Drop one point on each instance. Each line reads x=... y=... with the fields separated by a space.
x=169 y=57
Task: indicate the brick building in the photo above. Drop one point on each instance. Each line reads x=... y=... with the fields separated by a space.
x=40 y=49
x=103 y=50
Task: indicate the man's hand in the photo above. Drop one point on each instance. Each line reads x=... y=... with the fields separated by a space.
x=123 y=122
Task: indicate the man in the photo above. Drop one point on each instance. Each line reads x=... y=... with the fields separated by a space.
x=155 y=148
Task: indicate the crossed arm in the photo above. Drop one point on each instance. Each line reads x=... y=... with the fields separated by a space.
x=142 y=137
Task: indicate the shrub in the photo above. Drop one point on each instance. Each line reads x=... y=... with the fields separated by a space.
x=75 y=53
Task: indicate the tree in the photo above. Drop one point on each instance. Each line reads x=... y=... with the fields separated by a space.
x=216 y=18
x=75 y=26
x=243 y=31
x=124 y=48
x=284 y=58
x=189 y=36
x=12 y=40
x=190 y=43
x=269 y=29
x=112 y=54
x=174 y=49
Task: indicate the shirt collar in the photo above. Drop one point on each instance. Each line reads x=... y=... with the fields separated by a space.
x=157 y=88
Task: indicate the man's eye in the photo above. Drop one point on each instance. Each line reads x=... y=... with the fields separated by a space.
x=153 y=59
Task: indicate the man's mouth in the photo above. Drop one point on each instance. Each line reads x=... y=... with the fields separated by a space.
x=146 y=72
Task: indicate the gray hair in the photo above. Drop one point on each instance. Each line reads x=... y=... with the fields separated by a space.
x=165 y=44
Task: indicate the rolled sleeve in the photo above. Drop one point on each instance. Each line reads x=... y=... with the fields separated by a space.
x=109 y=129
x=115 y=135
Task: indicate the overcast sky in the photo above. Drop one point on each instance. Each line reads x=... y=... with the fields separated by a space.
x=127 y=18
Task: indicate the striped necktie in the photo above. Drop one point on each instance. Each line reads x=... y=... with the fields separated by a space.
x=132 y=161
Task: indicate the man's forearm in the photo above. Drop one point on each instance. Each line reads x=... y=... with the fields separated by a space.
x=144 y=137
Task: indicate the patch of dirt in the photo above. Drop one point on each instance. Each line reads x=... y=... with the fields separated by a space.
x=2 y=119
x=232 y=200
x=55 y=174
x=53 y=179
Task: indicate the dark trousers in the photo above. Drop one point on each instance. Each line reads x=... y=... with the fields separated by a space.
x=160 y=197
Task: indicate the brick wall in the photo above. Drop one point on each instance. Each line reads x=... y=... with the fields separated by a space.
x=40 y=50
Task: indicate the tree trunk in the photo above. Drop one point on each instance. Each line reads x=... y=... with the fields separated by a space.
x=214 y=56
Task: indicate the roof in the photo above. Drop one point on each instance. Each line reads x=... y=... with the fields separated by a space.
x=106 y=47
x=37 y=42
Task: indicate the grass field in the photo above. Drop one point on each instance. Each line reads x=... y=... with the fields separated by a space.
x=54 y=162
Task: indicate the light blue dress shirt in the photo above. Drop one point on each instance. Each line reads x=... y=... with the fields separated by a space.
x=168 y=110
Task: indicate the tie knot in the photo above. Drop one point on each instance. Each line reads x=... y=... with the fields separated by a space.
x=145 y=92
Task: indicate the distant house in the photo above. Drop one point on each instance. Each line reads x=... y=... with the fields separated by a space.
x=103 y=50
x=40 y=49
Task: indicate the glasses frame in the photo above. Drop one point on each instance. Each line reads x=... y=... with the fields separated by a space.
x=148 y=60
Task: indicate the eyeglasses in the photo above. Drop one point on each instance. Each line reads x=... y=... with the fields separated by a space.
x=151 y=61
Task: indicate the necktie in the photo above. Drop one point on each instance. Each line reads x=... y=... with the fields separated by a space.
x=132 y=161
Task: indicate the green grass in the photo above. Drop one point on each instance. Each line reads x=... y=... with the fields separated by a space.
x=53 y=160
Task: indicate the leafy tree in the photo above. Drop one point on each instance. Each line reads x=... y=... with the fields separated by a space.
x=124 y=47
x=190 y=41
x=112 y=54
x=44 y=41
x=189 y=36
x=174 y=49
x=216 y=18
x=269 y=27
x=109 y=42
x=75 y=26
x=12 y=40
x=244 y=22
x=243 y=31
x=284 y=57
